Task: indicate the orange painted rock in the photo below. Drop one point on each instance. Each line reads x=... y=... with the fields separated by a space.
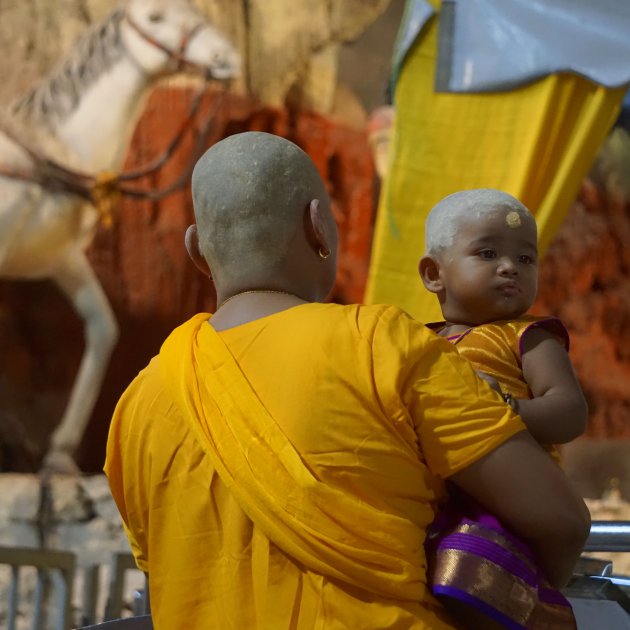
x=146 y=273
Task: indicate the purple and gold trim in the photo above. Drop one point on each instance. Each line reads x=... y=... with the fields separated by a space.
x=483 y=566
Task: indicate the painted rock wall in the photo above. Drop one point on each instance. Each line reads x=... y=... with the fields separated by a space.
x=291 y=54
x=145 y=271
x=585 y=280
x=152 y=286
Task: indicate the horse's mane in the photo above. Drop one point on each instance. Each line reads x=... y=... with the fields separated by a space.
x=57 y=95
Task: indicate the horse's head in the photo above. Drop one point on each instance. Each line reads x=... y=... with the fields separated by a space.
x=166 y=36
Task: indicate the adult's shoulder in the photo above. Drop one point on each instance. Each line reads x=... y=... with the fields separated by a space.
x=391 y=325
x=146 y=377
x=378 y=313
x=367 y=317
x=145 y=389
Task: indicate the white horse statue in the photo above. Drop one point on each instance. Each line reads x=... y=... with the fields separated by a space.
x=82 y=116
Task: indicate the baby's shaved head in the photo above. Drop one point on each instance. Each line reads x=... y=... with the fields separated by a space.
x=445 y=217
x=250 y=192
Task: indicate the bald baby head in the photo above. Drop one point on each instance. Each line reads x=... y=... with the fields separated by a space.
x=250 y=192
x=446 y=217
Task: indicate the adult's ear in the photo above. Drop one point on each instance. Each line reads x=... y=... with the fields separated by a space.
x=192 y=247
x=429 y=269
x=318 y=228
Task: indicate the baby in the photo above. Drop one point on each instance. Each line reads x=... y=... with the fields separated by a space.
x=481 y=262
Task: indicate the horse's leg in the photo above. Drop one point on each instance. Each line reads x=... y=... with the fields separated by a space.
x=18 y=202
x=78 y=281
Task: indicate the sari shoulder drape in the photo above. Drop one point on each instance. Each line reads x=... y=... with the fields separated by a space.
x=324 y=528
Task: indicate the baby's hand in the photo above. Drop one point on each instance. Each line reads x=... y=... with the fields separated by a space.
x=491 y=381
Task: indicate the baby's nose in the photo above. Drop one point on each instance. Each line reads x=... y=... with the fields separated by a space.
x=507 y=267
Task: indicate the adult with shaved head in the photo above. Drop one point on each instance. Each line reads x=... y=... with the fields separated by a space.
x=277 y=465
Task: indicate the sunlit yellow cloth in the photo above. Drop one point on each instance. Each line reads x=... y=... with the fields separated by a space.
x=282 y=474
x=495 y=348
x=536 y=142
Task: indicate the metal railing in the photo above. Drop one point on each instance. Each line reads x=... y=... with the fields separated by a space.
x=121 y=563
x=612 y=536
x=605 y=536
x=60 y=564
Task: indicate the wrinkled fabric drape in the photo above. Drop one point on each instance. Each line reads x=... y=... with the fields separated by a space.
x=318 y=524
x=282 y=474
x=536 y=143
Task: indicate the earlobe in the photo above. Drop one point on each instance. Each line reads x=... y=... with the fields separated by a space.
x=430 y=273
x=317 y=229
x=192 y=247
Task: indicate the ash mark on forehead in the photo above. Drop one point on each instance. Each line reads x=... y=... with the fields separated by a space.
x=513 y=219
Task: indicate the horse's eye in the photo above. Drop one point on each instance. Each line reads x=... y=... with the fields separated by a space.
x=156 y=16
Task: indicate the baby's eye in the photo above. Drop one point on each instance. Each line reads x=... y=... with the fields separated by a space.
x=487 y=254
x=526 y=260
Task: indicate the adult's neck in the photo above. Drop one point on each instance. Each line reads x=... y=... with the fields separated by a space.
x=247 y=306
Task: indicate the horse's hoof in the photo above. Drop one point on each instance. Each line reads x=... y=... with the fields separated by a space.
x=59 y=463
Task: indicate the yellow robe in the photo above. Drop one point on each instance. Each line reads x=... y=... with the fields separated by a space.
x=282 y=474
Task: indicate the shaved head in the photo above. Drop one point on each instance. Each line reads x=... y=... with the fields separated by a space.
x=250 y=192
x=446 y=217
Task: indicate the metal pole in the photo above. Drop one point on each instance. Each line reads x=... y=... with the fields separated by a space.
x=13 y=597
x=609 y=536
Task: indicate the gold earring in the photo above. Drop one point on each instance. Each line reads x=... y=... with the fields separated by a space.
x=323 y=254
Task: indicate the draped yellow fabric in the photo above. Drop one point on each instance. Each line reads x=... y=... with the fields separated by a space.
x=282 y=474
x=536 y=143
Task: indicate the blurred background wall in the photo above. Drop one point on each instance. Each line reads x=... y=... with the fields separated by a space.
x=308 y=74
x=313 y=72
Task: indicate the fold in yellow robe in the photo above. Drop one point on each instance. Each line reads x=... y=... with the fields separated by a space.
x=282 y=474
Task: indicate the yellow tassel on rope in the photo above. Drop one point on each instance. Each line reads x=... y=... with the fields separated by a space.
x=106 y=196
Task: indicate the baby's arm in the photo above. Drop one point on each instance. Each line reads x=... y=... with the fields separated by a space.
x=557 y=413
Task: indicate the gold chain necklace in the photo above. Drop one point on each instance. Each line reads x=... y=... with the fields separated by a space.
x=256 y=291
